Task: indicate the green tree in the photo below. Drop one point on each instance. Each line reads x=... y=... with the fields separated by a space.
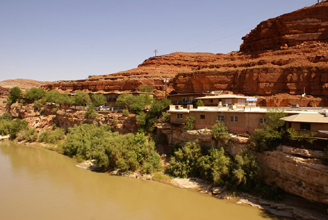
x=245 y=171
x=91 y=113
x=184 y=162
x=148 y=89
x=190 y=122
x=220 y=132
x=270 y=136
x=98 y=99
x=6 y=116
x=214 y=166
x=35 y=94
x=14 y=94
x=157 y=107
x=81 y=98
x=199 y=103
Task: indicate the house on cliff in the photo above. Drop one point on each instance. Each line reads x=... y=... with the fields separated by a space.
x=244 y=116
x=307 y=122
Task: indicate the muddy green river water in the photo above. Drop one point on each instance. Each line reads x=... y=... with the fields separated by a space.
x=40 y=184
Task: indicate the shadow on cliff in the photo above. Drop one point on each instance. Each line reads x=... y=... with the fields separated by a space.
x=266 y=215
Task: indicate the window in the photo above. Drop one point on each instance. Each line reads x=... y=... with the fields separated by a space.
x=220 y=118
x=202 y=116
x=210 y=100
x=228 y=101
x=306 y=126
x=262 y=120
x=234 y=119
x=179 y=115
x=241 y=102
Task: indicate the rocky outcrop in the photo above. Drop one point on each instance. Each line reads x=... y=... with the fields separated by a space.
x=292 y=71
x=51 y=115
x=151 y=72
x=4 y=92
x=283 y=55
x=288 y=169
x=304 y=25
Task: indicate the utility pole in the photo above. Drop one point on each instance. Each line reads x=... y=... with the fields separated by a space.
x=165 y=81
x=155 y=52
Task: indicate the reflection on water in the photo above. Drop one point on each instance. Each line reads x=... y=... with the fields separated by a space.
x=40 y=184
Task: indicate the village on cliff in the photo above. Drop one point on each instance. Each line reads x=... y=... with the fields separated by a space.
x=281 y=68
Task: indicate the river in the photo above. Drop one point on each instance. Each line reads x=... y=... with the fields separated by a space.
x=37 y=184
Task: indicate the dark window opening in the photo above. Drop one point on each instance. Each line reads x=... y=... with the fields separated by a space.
x=306 y=126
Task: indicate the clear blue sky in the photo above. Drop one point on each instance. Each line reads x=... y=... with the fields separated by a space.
x=50 y=40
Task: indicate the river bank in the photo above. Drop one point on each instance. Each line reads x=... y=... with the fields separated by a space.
x=287 y=208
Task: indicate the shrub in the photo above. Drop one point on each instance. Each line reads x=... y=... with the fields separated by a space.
x=28 y=134
x=16 y=126
x=246 y=170
x=37 y=105
x=214 y=166
x=300 y=136
x=185 y=160
x=166 y=117
x=91 y=112
x=52 y=136
x=98 y=99
x=54 y=111
x=190 y=121
x=14 y=94
x=192 y=161
x=270 y=136
x=6 y=116
x=199 y=103
x=125 y=113
x=220 y=132
x=35 y=94
x=144 y=88
x=111 y=150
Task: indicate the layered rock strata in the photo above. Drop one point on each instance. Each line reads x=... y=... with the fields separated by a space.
x=283 y=55
x=290 y=169
x=307 y=24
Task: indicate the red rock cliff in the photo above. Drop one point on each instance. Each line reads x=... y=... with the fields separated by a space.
x=284 y=55
x=307 y=24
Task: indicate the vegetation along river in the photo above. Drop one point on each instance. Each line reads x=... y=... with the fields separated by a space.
x=40 y=184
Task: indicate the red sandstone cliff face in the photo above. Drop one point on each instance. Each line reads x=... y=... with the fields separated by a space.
x=290 y=70
x=307 y=24
x=284 y=55
x=151 y=72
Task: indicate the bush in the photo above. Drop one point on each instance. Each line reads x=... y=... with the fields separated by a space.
x=52 y=136
x=28 y=134
x=54 y=111
x=220 y=132
x=185 y=160
x=91 y=112
x=35 y=94
x=190 y=123
x=166 y=117
x=12 y=127
x=199 y=103
x=245 y=171
x=98 y=99
x=125 y=113
x=214 y=166
x=6 y=116
x=37 y=105
x=300 y=136
x=14 y=94
x=193 y=161
x=111 y=150
x=270 y=136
